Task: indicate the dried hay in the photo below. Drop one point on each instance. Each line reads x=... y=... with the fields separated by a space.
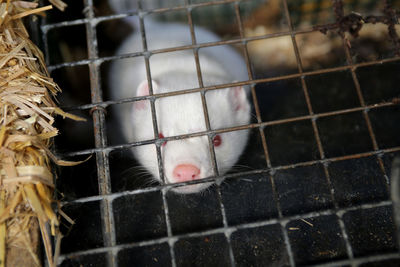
x=26 y=129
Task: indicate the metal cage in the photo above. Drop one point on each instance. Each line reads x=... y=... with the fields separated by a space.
x=300 y=208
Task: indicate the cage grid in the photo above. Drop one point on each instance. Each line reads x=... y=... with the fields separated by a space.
x=283 y=221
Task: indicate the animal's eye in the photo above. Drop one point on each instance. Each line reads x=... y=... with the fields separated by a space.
x=217 y=141
x=160 y=135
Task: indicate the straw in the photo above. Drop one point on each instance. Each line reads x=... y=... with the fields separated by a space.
x=27 y=113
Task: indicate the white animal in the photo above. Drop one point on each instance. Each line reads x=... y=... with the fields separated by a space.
x=186 y=159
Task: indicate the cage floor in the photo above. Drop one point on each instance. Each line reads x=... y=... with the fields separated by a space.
x=315 y=192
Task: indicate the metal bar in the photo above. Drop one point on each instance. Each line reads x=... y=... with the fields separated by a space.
x=252 y=86
x=156 y=132
x=202 y=91
x=238 y=175
x=104 y=104
x=99 y=125
x=179 y=48
x=186 y=47
x=263 y=138
x=224 y=130
x=210 y=137
x=339 y=13
x=349 y=249
x=151 y=93
x=136 y=12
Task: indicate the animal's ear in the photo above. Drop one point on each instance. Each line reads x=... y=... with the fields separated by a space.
x=240 y=104
x=143 y=90
x=238 y=98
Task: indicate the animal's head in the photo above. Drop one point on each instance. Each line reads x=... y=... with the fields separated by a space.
x=190 y=159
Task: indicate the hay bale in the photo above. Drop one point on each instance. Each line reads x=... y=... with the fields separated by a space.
x=26 y=129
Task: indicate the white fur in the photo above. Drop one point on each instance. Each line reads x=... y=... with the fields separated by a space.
x=181 y=114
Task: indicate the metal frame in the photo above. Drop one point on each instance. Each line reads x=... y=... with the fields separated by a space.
x=102 y=149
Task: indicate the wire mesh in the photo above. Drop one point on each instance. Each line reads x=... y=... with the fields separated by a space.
x=277 y=231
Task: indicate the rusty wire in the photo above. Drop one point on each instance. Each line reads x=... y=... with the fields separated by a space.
x=351 y=23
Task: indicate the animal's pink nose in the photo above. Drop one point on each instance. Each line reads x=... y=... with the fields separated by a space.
x=185 y=172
